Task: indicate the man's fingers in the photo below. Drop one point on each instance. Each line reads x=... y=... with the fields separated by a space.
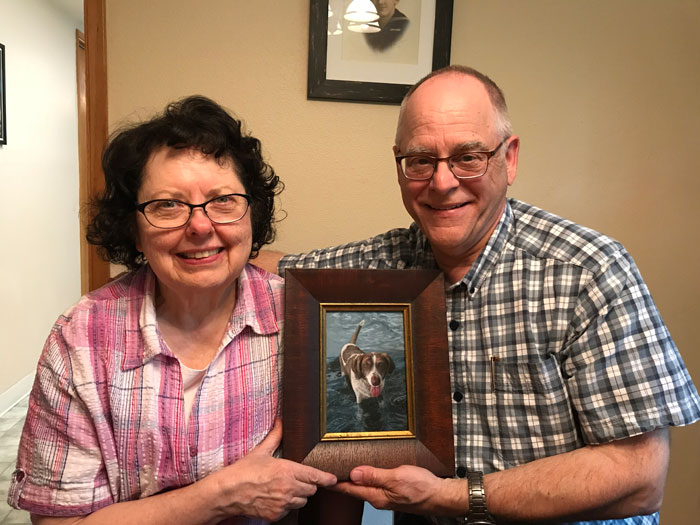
x=372 y=494
x=268 y=445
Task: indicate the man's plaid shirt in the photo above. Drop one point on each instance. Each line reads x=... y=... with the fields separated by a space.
x=554 y=339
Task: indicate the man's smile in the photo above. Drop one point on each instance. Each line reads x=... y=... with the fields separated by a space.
x=446 y=207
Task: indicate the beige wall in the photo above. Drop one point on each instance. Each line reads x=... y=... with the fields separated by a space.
x=604 y=95
x=40 y=267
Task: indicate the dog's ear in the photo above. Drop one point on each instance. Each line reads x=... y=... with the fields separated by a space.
x=390 y=362
x=356 y=365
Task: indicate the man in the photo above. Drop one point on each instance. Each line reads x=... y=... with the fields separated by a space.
x=392 y=24
x=564 y=376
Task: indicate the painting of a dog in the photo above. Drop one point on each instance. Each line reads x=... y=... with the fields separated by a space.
x=366 y=371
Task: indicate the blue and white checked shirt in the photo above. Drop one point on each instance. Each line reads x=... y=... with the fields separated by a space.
x=555 y=341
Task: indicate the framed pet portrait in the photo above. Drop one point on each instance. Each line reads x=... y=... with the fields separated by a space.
x=366 y=375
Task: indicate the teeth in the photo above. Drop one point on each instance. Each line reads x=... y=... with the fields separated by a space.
x=200 y=255
x=448 y=207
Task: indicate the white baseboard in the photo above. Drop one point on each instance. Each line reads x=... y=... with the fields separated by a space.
x=15 y=393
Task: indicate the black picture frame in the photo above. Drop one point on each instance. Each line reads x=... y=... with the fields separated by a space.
x=3 y=106
x=429 y=440
x=320 y=87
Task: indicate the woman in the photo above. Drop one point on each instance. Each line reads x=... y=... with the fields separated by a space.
x=156 y=397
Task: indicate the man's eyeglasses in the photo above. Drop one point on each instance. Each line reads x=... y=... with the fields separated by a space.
x=463 y=165
x=172 y=213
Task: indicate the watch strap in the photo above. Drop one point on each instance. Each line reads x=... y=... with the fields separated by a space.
x=478 y=513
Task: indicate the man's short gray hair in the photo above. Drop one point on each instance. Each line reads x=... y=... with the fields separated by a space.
x=498 y=100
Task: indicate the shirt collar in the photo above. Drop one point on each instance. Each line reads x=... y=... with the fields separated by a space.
x=255 y=307
x=255 y=304
x=490 y=255
x=484 y=262
x=424 y=257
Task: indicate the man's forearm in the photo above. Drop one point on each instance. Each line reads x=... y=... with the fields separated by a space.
x=618 y=479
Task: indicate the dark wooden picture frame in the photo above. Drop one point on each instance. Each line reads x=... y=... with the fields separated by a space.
x=431 y=445
x=3 y=105
x=320 y=87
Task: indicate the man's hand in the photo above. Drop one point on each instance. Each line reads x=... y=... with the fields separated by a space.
x=408 y=489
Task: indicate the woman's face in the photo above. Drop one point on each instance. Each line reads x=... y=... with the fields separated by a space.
x=201 y=255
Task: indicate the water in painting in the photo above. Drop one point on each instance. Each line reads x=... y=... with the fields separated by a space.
x=383 y=331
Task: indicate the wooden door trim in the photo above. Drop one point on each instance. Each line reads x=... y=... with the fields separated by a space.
x=97 y=270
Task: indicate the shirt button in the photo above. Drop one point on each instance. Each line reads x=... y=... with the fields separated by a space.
x=18 y=475
x=454 y=325
x=461 y=472
x=472 y=290
x=457 y=396
x=193 y=451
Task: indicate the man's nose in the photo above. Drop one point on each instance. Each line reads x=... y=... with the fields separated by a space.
x=443 y=179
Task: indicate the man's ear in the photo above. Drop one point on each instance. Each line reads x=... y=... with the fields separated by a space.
x=512 y=158
x=398 y=170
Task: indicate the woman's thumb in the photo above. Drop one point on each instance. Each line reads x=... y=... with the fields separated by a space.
x=268 y=445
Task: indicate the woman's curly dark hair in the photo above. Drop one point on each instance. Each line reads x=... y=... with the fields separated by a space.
x=194 y=122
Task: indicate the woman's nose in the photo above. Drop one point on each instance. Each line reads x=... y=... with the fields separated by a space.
x=199 y=223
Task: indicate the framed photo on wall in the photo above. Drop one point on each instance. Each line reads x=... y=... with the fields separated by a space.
x=366 y=374
x=376 y=61
x=3 y=106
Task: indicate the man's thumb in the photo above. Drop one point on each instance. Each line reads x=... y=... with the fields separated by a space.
x=367 y=476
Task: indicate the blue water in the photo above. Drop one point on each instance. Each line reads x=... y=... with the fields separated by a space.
x=382 y=332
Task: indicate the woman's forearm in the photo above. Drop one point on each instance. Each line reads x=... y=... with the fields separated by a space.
x=257 y=485
x=192 y=505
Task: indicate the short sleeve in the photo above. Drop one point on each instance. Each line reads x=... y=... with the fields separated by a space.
x=346 y=256
x=394 y=250
x=625 y=374
x=60 y=471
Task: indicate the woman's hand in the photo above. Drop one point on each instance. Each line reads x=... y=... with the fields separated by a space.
x=257 y=485
x=262 y=486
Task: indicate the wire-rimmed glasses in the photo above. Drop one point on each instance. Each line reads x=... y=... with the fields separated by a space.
x=174 y=213
x=463 y=165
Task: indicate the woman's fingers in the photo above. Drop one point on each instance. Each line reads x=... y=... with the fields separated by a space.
x=313 y=476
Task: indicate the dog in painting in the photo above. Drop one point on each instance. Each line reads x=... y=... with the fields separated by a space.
x=365 y=370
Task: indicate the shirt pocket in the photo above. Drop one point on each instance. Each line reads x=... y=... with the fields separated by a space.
x=531 y=415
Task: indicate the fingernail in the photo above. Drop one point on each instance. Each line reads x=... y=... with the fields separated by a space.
x=356 y=476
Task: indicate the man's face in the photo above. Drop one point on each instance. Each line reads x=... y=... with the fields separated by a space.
x=446 y=115
x=385 y=8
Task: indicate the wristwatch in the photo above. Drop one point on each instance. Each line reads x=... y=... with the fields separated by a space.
x=478 y=514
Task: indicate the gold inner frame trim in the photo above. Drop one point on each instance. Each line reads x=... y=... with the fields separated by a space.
x=405 y=309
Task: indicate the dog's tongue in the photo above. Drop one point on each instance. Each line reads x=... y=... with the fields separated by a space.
x=374 y=391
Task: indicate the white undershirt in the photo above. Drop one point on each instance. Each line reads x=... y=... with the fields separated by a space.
x=191 y=379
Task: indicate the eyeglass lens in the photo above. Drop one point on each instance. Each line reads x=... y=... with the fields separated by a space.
x=166 y=213
x=463 y=165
